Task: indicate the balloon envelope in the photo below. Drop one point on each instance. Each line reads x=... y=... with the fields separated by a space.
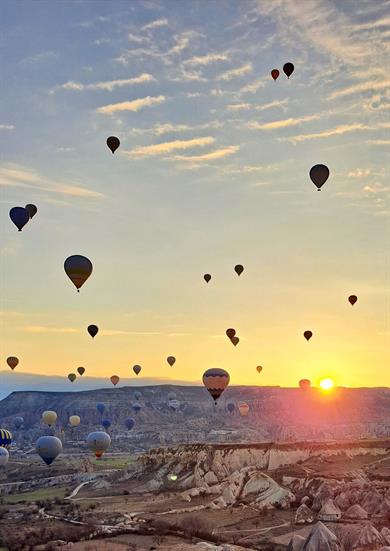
x=171 y=396
x=305 y=383
x=4 y=456
x=49 y=417
x=18 y=422
x=243 y=408
x=231 y=407
x=74 y=420
x=19 y=217
x=259 y=369
x=32 y=210
x=98 y=442
x=81 y=370
x=288 y=69
x=72 y=377
x=174 y=404
x=171 y=360
x=12 y=361
x=113 y=143
x=129 y=423
x=207 y=277
x=308 y=335
x=114 y=379
x=216 y=380
x=106 y=423
x=78 y=268
x=275 y=73
x=48 y=447
x=230 y=332
x=239 y=268
x=136 y=407
x=100 y=407
x=352 y=299
x=235 y=340
x=137 y=369
x=93 y=330
x=318 y=175
x=5 y=439
x=137 y=395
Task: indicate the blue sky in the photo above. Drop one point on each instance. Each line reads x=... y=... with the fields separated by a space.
x=212 y=171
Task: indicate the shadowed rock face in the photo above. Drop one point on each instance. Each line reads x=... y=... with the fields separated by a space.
x=296 y=544
x=322 y=539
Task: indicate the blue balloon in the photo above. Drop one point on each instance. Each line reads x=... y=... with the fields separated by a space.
x=18 y=422
x=100 y=407
x=5 y=439
x=19 y=217
x=136 y=408
x=231 y=407
x=106 y=423
x=129 y=423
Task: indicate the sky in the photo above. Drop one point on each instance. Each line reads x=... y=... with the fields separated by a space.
x=212 y=171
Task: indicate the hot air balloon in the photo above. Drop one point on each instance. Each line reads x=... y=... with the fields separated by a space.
x=98 y=442
x=113 y=143
x=137 y=395
x=171 y=360
x=235 y=340
x=100 y=407
x=216 y=380
x=48 y=447
x=288 y=69
x=231 y=407
x=19 y=217
x=136 y=407
x=12 y=362
x=230 y=333
x=318 y=175
x=18 y=422
x=106 y=423
x=5 y=439
x=78 y=268
x=243 y=408
x=114 y=379
x=93 y=330
x=49 y=417
x=352 y=299
x=137 y=369
x=174 y=404
x=275 y=73
x=32 y=210
x=72 y=377
x=207 y=277
x=81 y=371
x=74 y=420
x=259 y=369
x=4 y=456
x=239 y=268
x=308 y=335
x=305 y=383
x=129 y=423
x=171 y=396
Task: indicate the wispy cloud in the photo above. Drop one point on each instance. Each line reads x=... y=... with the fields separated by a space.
x=359 y=173
x=7 y=127
x=254 y=125
x=239 y=106
x=205 y=59
x=134 y=105
x=43 y=329
x=277 y=104
x=359 y=88
x=160 y=129
x=163 y=22
x=236 y=73
x=108 y=85
x=378 y=142
x=17 y=176
x=337 y=131
x=167 y=147
x=212 y=156
x=252 y=87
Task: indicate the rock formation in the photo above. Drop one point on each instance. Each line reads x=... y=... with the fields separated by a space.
x=304 y=515
x=322 y=539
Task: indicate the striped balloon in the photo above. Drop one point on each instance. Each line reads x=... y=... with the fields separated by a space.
x=5 y=439
x=216 y=380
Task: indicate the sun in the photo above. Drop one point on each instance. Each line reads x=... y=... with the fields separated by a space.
x=327 y=383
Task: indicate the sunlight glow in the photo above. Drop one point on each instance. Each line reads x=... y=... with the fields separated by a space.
x=327 y=383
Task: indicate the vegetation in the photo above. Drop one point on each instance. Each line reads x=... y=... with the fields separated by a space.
x=36 y=495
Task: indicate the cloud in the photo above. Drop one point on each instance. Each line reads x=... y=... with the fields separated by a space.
x=160 y=129
x=205 y=59
x=254 y=125
x=42 y=329
x=248 y=169
x=40 y=57
x=280 y=104
x=17 y=176
x=137 y=38
x=359 y=88
x=212 y=156
x=134 y=105
x=167 y=147
x=163 y=22
x=359 y=173
x=252 y=87
x=7 y=127
x=239 y=106
x=337 y=131
x=378 y=142
x=92 y=22
x=108 y=85
x=235 y=73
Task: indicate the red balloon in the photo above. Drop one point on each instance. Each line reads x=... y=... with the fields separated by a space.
x=274 y=74
x=352 y=299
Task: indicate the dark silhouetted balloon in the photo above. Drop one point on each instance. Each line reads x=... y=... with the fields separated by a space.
x=48 y=447
x=308 y=335
x=207 y=277
x=230 y=332
x=137 y=395
x=318 y=175
x=12 y=361
x=106 y=423
x=19 y=217
x=305 y=383
x=235 y=340
x=78 y=268
x=18 y=422
x=136 y=407
x=137 y=369
x=239 y=268
x=171 y=360
x=231 y=407
x=72 y=377
x=113 y=143
x=114 y=379
x=171 y=396
x=259 y=369
x=32 y=210
x=81 y=370
x=216 y=380
x=129 y=423
x=275 y=73
x=288 y=69
x=93 y=330
x=100 y=407
x=352 y=299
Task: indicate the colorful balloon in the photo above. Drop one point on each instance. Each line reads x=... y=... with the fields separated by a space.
x=78 y=268
x=19 y=217
x=308 y=335
x=18 y=422
x=243 y=408
x=207 y=277
x=72 y=377
x=319 y=175
x=32 y=210
x=305 y=384
x=137 y=369
x=106 y=423
x=81 y=371
x=93 y=330
x=100 y=407
x=5 y=439
x=239 y=268
x=48 y=447
x=113 y=143
x=114 y=379
x=74 y=420
x=352 y=299
x=288 y=69
x=171 y=360
x=49 y=417
x=98 y=442
x=216 y=380
x=259 y=369
x=231 y=407
x=4 y=456
x=129 y=423
x=12 y=361
x=275 y=73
